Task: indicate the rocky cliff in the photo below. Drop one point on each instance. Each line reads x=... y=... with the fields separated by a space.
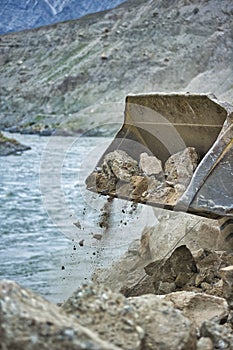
x=79 y=72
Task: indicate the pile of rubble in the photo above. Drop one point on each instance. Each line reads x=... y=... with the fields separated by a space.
x=202 y=271
x=97 y=318
x=147 y=180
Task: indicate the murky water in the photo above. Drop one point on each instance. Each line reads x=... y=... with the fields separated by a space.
x=49 y=221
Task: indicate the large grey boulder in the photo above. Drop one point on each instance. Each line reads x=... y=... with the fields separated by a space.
x=166 y=328
x=199 y=307
x=174 y=229
x=180 y=167
x=107 y=313
x=120 y=165
x=143 y=323
x=29 y=322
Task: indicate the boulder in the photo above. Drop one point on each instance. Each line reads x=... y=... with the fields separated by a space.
x=145 y=181
x=120 y=165
x=150 y=165
x=174 y=229
x=227 y=277
x=179 y=167
x=201 y=236
x=199 y=307
x=27 y=321
x=177 y=271
x=165 y=327
x=221 y=335
x=109 y=314
x=205 y=343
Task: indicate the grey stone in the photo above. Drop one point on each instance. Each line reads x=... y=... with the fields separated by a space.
x=205 y=343
x=120 y=165
x=221 y=335
x=199 y=307
x=150 y=165
x=165 y=327
x=180 y=166
x=29 y=322
x=180 y=228
x=227 y=277
x=107 y=313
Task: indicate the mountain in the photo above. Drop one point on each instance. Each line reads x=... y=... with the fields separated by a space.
x=80 y=71
x=16 y=15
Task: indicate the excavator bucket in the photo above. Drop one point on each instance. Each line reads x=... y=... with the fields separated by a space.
x=162 y=128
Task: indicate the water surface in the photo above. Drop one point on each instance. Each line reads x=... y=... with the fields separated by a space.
x=48 y=219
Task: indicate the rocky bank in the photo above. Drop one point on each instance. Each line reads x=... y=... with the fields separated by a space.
x=183 y=301
x=9 y=146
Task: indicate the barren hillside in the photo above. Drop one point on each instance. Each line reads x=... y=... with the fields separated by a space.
x=80 y=69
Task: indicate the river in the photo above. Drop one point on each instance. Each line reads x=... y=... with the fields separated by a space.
x=49 y=221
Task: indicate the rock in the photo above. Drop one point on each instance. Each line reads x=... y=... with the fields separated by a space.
x=47 y=132
x=162 y=194
x=179 y=167
x=205 y=343
x=198 y=272
x=156 y=244
x=154 y=183
x=178 y=270
x=140 y=185
x=227 y=277
x=179 y=170
x=10 y=146
x=120 y=165
x=220 y=335
x=142 y=286
x=99 y=182
x=109 y=314
x=30 y=322
x=165 y=327
x=146 y=181
x=150 y=165
x=118 y=174
x=180 y=228
x=199 y=307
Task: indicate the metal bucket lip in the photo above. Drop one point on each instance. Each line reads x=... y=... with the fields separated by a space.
x=210 y=95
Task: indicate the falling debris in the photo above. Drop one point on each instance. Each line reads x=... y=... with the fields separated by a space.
x=81 y=243
x=78 y=225
x=97 y=236
x=104 y=221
